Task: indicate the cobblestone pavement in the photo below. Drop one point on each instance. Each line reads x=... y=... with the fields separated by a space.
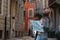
x=30 y=38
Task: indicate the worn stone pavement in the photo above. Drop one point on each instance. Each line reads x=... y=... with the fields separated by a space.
x=30 y=38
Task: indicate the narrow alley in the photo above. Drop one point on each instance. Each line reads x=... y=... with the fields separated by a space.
x=19 y=18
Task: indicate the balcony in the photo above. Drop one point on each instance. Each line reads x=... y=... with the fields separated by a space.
x=54 y=3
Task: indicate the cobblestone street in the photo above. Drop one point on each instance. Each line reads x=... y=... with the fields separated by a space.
x=30 y=38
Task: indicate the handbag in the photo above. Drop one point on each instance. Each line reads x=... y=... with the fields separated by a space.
x=46 y=29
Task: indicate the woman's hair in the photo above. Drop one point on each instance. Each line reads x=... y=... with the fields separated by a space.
x=38 y=15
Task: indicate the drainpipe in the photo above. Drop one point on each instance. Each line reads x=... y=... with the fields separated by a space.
x=10 y=21
x=5 y=28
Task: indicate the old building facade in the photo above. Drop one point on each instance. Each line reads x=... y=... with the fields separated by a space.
x=13 y=10
x=45 y=3
x=38 y=6
x=55 y=8
x=29 y=12
x=5 y=11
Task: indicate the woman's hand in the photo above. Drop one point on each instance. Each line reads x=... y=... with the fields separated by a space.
x=42 y=26
x=39 y=32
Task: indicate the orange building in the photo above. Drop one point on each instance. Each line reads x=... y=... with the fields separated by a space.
x=29 y=12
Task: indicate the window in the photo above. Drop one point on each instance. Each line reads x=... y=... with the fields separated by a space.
x=0 y=5
x=13 y=17
x=30 y=1
x=30 y=12
x=7 y=34
x=0 y=34
x=45 y=1
x=24 y=13
x=24 y=1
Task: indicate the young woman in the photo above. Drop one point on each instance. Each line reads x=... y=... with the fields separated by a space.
x=40 y=35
